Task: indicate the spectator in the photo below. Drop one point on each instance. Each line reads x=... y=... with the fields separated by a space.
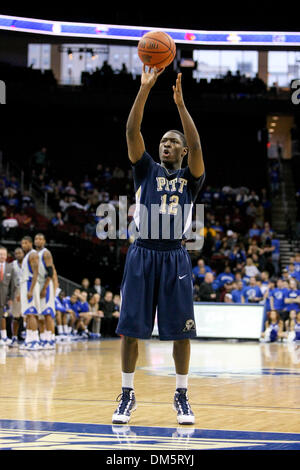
x=57 y=220
x=225 y=277
x=24 y=220
x=9 y=224
x=250 y=268
x=111 y=315
x=266 y=233
x=237 y=255
x=228 y=298
x=252 y=293
x=85 y=287
x=254 y=231
x=40 y=159
x=293 y=273
x=201 y=264
x=206 y=291
x=27 y=200
x=98 y=288
x=292 y=297
x=277 y=300
x=237 y=293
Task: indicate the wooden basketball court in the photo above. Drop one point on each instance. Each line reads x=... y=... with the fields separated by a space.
x=242 y=394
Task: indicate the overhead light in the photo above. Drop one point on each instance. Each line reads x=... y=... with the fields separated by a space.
x=273 y=124
x=275 y=118
x=271 y=130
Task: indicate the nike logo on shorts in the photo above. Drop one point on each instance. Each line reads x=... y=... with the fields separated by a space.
x=181 y=277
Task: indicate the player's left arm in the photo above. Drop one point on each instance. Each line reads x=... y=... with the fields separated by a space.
x=195 y=157
x=50 y=271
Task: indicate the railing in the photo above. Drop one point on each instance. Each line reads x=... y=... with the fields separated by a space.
x=67 y=286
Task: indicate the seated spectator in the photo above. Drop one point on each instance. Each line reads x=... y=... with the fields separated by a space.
x=9 y=223
x=90 y=227
x=111 y=315
x=266 y=233
x=254 y=231
x=228 y=298
x=24 y=220
x=252 y=293
x=227 y=289
x=292 y=297
x=85 y=286
x=70 y=190
x=206 y=291
x=97 y=288
x=200 y=265
x=237 y=255
x=200 y=277
x=57 y=220
x=297 y=262
x=293 y=273
x=250 y=268
x=264 y=281
x=237 y=292
x=27 y=200
x=225 y=277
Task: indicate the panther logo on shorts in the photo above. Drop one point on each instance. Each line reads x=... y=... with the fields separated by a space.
x=189 y=325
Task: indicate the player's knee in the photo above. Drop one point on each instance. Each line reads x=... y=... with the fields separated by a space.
x=129 y=340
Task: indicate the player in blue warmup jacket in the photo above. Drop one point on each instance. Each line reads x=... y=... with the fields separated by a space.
x=158 y=269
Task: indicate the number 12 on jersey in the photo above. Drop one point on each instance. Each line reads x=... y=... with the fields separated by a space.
x=171 y=207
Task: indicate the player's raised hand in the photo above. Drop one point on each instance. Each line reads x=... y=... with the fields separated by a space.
x=150 y=76
x=177 y=91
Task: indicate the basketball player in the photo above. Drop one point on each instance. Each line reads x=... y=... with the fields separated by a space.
x=30 y=293
x=48 y=284
x=16 y=305
x=158 y=272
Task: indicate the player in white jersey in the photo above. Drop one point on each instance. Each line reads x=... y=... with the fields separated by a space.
x=48 y=284
x=30 y=293
x=16 y=304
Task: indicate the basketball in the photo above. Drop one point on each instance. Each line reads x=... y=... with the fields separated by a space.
x=156 y=49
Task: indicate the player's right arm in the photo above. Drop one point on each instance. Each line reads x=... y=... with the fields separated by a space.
x=34 y=263
x=135 y=141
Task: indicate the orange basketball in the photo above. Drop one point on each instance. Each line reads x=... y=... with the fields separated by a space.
x=156 y=49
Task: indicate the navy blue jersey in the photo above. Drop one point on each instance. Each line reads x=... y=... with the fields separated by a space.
x=164 y=199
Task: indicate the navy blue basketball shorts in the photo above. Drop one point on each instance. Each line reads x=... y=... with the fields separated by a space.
x=157 y=279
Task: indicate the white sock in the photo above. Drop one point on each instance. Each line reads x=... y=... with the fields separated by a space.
x=28 y=336
x=3 y=334
x=181 y=381
x=60 y=329
x=36 y=335
x=127 y=379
